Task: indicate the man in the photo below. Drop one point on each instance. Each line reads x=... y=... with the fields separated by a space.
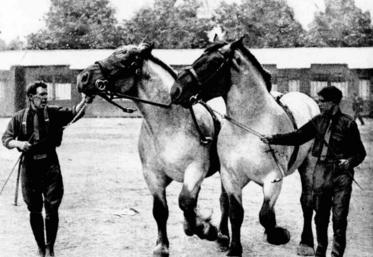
x=339 y=149
x=357 y=107
x=36 y=131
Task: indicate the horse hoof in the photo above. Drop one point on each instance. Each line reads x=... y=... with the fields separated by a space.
x=207 y=231
x=223 y=242
x=188 y=230
x=278 y=236
x=161 y=251
x=305 y=250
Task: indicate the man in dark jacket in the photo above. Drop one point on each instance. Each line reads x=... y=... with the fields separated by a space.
x=36 y=131
x=339 y=149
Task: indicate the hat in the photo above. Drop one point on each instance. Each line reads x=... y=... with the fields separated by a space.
x=331 y=93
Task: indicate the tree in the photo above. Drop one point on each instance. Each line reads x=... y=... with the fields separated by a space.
x=169 y=25
x=15 y=44
x=341 y=25
x=268 y=23
x=77 y=25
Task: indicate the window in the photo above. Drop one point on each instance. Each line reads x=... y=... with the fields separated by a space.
x=63 y=91
x=2 y=89
x=294 y=85
x=316 y=86
x=50 y=90
x=274 y=87
x=364 y=89
x=343 y=86
x=59 y=91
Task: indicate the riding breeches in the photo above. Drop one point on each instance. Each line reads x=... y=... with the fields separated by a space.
x=42 y=183
x=332 y=191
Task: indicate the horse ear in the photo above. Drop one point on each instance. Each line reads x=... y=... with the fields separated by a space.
x=146 y=48
x=239 y=42
x=216 y=38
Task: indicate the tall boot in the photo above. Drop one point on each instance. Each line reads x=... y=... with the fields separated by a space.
x=37 y=226
x=51 y=223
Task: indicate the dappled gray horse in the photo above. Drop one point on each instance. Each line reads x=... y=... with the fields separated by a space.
x=231 y=71
x=169 y=144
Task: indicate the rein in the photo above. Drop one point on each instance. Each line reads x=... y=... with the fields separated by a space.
x=256 y=133
x=108 y=95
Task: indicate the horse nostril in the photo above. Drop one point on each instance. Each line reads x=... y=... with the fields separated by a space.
x=175 y=93
x=84 y=78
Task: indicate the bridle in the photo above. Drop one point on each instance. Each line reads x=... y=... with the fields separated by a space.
x=107 y=92
x=191 y=70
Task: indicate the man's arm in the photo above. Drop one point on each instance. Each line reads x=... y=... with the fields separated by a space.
x=10 y=136
x=300 y=136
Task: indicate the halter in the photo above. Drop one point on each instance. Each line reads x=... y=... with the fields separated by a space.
x=105 y=88
x=195 y=76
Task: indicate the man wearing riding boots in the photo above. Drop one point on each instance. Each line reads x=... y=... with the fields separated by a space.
x=36 y=131
x=339 y=149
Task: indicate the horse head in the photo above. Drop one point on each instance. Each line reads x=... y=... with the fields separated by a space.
x=117 y=73
x=211 y=74
x=208 y=76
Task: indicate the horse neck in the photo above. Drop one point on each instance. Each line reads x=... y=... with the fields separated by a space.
x=156 y=88
x=248 y=99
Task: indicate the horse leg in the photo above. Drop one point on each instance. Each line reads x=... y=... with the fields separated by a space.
x=306 y=244
x=236 y=211
x=194 y=224
x=223 y=232
x=157 y=188
x=275 y=235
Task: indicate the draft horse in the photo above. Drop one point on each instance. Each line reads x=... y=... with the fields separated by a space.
x=231 y=71
x=169 y=145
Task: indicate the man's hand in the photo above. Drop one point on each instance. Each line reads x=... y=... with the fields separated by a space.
x=344 y=164
x=23 y=146
x=266 y=139
x=89 y=99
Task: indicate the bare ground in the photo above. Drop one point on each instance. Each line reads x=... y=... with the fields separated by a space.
x=106 y=210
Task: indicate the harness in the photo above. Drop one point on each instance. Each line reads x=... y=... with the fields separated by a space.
x=293 y=156
x=26 y=115
x=205 y=140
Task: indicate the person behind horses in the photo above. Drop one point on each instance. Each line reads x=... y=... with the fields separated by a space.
x=36 y=131
x=339 y=149
x=357 y=108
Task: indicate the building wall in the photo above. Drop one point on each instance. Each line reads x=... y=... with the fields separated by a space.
x=16 y=79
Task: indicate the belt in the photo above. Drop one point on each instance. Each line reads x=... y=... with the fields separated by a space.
x=39 y=156
x=334 y=161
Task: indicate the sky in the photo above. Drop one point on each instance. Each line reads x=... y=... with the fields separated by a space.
x=19 y=18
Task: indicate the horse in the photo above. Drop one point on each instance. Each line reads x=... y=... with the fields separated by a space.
x=169 y=145
x=230 y=70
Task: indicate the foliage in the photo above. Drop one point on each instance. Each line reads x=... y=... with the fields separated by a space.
x=178 y=24
x=169 y=25
x=341 y=25
x=268 y=23
x=77 y=24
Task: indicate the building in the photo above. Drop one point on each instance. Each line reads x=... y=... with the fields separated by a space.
x=293 y=69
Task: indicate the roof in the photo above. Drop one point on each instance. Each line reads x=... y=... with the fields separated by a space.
x=284 y=58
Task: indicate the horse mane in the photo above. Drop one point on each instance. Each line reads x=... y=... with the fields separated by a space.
x=266 y=75
x=163 y=65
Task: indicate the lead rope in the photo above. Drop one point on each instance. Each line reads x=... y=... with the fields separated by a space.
x=256 y=133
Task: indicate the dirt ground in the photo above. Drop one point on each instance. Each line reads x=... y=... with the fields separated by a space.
x=107 y=208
